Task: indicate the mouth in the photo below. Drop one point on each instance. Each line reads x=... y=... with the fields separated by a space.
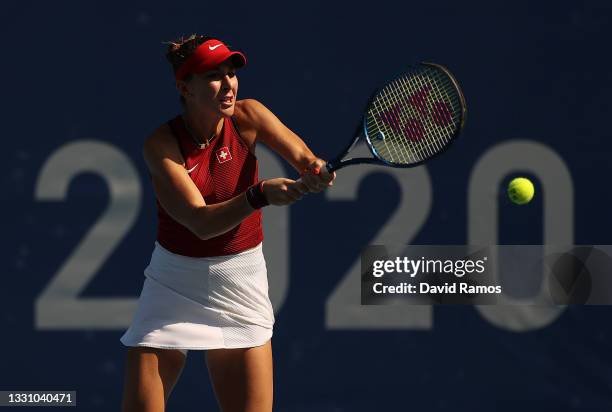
x=227 y=100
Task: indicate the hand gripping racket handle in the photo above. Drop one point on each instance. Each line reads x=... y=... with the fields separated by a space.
x=328 y=166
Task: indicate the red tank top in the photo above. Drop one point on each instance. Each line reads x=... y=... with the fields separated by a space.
x=221 y=171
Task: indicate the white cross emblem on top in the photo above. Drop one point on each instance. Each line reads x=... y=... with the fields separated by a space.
x=223 y=155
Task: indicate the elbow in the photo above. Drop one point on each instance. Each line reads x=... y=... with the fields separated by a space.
x=199 y=232
x=205 y=223
x=199 y=224
x=208 y=233
x=203 y=235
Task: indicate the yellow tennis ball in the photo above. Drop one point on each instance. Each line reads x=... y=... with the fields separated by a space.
x=520 y=190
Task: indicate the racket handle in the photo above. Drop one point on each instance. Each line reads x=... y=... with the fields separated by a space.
x=331 y=166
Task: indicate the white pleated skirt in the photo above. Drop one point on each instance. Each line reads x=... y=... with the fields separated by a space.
x=203 y=303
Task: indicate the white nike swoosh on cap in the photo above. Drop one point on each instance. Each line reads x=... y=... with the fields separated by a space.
x=193 y=168
x=214 y=47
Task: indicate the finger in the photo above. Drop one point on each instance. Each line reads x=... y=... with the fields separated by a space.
x=293 y=193
x=333 y=177
x=315 y=187
x=326 y=177
x=293 y=197
x=301 y=186
x=311 y=182
x=316 y=167
x=321 y=186
x=321 y=176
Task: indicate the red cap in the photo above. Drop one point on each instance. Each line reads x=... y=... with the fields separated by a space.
x=207 y=56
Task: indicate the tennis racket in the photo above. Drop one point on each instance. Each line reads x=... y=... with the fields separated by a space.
x=410 y=120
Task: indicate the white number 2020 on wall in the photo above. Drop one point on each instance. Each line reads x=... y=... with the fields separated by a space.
x=59 y=306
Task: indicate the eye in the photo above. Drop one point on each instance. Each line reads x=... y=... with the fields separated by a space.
x=231 y=74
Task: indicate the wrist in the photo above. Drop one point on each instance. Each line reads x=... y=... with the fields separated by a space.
x=256 y=197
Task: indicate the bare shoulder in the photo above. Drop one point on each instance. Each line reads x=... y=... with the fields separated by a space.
x=247 y=114
x=160 y=145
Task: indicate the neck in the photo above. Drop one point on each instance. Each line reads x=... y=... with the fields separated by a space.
x=203 y=126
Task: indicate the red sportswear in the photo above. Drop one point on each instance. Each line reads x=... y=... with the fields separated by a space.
x=221 y=171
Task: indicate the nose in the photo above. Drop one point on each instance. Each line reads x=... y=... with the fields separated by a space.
x=227 y=81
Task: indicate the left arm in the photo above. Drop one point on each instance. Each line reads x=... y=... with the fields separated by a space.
x=267 y=128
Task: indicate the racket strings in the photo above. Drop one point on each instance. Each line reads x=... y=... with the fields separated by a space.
x=415 y=114
x=391 y=145
x=421 y=151
x=401 y=87
x=396 y=99
x=390 y=119
x=414 y=117
x=432 y=144
x=440 y=132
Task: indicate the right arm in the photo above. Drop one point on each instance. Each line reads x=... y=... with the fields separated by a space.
x=182 y=200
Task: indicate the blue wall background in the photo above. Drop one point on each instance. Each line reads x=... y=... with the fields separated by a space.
x=88 y=80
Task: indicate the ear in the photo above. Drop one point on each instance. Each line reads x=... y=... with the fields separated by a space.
x=183 y=88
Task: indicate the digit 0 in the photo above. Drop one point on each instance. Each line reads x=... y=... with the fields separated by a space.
x=483 y=216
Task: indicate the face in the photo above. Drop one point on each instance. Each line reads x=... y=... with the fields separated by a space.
x=213 y=91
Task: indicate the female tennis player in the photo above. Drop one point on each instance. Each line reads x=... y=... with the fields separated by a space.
x=206 y=286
